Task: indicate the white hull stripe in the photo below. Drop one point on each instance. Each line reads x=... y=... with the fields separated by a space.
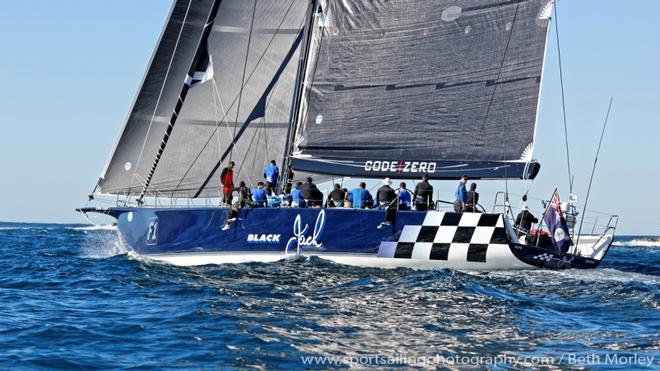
x=501 y=260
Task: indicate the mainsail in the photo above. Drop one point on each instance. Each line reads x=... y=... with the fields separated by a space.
x=238 y=106
x=446 y=88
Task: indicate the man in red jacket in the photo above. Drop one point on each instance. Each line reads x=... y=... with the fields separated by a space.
x=227 y=180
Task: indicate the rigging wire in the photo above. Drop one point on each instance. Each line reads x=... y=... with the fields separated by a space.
x=247 y=54
x=492 y=97
x=160 y=94
x=268 y=148
x=225 y=113
x=499 y=74
x=247 y=152
x=182 y=95
x=593 y=170
x=216 y=99
x=260 y=130
x=563 y=100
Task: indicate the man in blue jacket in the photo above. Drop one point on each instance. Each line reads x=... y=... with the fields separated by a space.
x=460 y=196
x=297 y=199
x=405 y=197
x=360 y=197
x=259 y=196
x=271 y=173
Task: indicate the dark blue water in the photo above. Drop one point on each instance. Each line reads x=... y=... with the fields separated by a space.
x=72 y=297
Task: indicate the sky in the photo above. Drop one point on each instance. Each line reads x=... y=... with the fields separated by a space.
x=71 y=68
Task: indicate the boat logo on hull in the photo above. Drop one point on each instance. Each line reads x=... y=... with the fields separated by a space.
x=263 y=238
x=152 y=232
x=300 y=238
x=400 y=166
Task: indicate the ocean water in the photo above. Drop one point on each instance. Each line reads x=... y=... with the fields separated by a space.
x=74 y=297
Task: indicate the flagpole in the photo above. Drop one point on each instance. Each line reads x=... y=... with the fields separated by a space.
x=538 y=230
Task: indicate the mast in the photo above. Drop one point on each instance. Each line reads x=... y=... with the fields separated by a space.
x=300 y=89
x=182 y=96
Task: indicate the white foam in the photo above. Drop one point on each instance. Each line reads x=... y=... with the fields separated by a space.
x=560 y=277
x=639 y=242
x=101 y=246
x=100 y=227
x=612 y=275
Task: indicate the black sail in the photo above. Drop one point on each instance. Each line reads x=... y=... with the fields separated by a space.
x=238 y=107
x=134 y=152
x=399 y=88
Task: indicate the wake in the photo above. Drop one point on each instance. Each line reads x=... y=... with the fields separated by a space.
x=638 y=242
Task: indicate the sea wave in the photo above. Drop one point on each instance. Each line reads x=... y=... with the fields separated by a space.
x=80 y=299
x=590 y=276
x=638 y=243
x=15 y=228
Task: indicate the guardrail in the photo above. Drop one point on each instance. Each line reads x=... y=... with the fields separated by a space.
x=593 y=222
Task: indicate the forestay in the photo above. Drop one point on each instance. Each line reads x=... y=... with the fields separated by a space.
x=237 y=109
x=400 y=88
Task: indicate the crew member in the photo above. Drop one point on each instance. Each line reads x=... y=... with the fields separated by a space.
x=405 y=197
x=360 y=197
x=423 y=195
x=385 y=194
x=525 y=219
x=460 y=196
x=472 y=199
x=227 y=181
x=244 y=194
x=336 y=197
x=347 y=202
x=311 y=193
x=297 y=199
x=271 y=174
x=259 y=196
x=244 y=199
x=387 y=200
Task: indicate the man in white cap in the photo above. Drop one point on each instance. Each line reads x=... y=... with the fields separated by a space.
x=385 y=194
x=386 y=197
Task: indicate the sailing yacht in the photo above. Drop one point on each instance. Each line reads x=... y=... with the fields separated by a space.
x=335 y=89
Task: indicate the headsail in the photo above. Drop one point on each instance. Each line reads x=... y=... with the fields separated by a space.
x=238 y=106
x=399 y=88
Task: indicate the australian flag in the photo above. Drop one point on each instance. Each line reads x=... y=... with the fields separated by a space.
x=557 y=225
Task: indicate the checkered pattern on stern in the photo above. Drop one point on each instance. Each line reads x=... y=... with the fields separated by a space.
x=448 y=236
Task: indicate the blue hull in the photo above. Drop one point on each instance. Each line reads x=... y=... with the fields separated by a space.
x=417 y=239
x=259 y=229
